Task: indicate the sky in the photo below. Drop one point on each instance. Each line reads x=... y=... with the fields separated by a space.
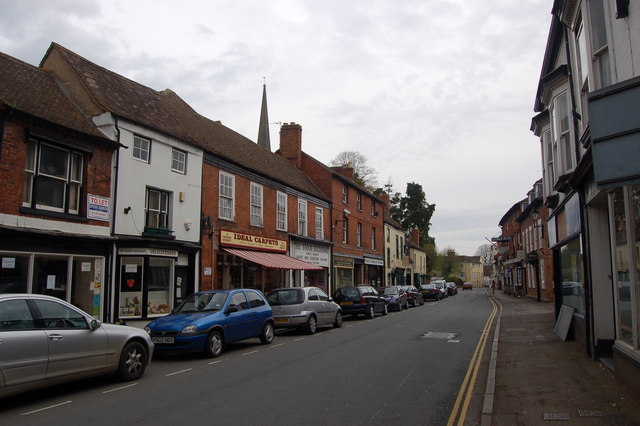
x=434 y=92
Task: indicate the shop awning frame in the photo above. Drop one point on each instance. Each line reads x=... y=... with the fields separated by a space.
x=274 y=260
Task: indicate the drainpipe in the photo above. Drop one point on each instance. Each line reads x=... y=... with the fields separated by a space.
x=110 y=290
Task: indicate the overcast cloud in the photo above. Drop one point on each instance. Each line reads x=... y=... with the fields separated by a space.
x=437 y=92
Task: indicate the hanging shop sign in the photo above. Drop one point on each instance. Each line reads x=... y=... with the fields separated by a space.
x=255 y=242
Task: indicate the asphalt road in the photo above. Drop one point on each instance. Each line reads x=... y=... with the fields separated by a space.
x=404 y=368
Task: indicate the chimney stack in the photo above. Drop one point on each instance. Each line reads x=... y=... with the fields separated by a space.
x=416 y=236
x=384 y=197
x=291 y=143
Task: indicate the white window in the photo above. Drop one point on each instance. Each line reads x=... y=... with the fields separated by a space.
x=157 y=209
x=319 y=223
x=227 y=196
x=53 y=178
x=345 y=194
x=256 y=205
x=141 y=147
x=345 y=231
x=359 y=234
x=302 y=217
x=373 y=207
x=178 y=161
x=281 y=210
x=599 y=44
x=561 y=133
x=359 y=201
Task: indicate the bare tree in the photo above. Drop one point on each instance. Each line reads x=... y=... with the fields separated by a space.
x=486 y=253
x=364 y=175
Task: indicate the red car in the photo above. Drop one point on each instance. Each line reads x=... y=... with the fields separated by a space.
x=467 y=286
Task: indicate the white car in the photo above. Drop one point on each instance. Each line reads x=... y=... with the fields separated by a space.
x=46 y=341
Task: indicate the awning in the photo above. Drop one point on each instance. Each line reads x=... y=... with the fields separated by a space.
x=274 y=260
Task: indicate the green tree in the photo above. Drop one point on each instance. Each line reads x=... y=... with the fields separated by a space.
x=449 y=262
x=413 y=211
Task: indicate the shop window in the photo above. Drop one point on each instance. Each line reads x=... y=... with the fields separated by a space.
x=131 y=276
x=87 y=284
x=141 y=149
x=178 y=161
x=281 y=210
x=157 y=211
x=158 y=286
x=14 y=273
x=572 y=281
x=53 y=178
x=50 y=275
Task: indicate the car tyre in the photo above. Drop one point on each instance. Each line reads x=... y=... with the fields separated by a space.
x=214 y=345
x=338 y=322
x=371 y=312
x=312 y=325
x=385 y=309
x=406 y=304
x=267 y=335
x=133 y=361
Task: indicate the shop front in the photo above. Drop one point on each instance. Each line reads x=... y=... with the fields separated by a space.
x=68 y=267
x=254 y=261
x=374 y=270
x=151 y=281
x=343 y=271
x=315 y=254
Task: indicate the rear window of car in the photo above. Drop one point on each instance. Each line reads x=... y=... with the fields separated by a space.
x=390 y=290
x=348 y=292
x=292 y=296
x=428 y=286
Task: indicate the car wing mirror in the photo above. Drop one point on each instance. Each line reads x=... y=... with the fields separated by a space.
x=94 y=324
x=330 y=299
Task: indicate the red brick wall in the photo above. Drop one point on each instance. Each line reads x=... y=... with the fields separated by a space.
x=97 y=169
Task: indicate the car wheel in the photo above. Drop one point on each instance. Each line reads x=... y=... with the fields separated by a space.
x=133 y=361
x=385 y=309
x=338 y=322
x=215 y=344
x=267 y=334
x=312 y=325
x=371 y=313
x=406 y=304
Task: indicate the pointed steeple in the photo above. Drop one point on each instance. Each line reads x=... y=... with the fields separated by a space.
x=263 y=129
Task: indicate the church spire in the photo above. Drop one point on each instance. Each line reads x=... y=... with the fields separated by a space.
x=263 y=129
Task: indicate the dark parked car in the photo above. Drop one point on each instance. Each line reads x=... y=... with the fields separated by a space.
x=452 y=288
x=413 y=295
x=430 y=291
x=208 y=320
x=304 y=307
x=362 y=299
x=45 y=341
x=396 y=297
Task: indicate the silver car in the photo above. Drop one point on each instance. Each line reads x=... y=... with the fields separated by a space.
x=46 y=341
x=304 y=307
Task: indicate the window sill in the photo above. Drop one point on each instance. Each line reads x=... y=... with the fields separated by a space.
x=57 y=215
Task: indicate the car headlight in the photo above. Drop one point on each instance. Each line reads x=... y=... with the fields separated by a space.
x=147 y=329
x=190 y=329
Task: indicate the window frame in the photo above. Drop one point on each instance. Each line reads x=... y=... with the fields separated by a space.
x=345 y=194
x=72 y=184
x=256 y=204
x=359 y=201
x=302 y=217
x=177 y=162
x=281 y=211
x=230 y=198
x=140 y=150
x=359 y=234
x=373 y=238
x=561 y=134
x=345 y=231
x=319 y=223
x=163 y=211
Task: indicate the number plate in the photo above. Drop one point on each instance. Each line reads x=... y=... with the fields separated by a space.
x=162 y=339
x=346 y=303
x=281 y=320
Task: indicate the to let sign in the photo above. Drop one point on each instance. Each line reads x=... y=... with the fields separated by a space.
x=97 y=207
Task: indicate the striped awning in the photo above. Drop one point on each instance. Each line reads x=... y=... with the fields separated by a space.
x=273 y=260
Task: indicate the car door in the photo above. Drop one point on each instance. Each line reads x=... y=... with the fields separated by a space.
x=258 y=312
x=328 y=308
x=238 y=318
x=317 y=306
x=73 y=347
x=23 y=345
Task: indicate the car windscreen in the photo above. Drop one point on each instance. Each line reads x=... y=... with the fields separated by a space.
x=428 y=286
x=203 y=302
x=293 y=296
x=390 y=290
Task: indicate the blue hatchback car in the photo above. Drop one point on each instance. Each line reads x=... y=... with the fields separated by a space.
x=208 y=320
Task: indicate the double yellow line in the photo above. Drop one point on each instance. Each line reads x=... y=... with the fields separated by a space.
x=461 y=405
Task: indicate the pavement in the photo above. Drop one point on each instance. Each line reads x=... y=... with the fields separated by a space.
x=536 y=378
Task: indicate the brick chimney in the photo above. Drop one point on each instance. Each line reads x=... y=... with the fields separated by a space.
x=415 y=233
x=291 y=143
x=346 y=171
x=384 y=197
